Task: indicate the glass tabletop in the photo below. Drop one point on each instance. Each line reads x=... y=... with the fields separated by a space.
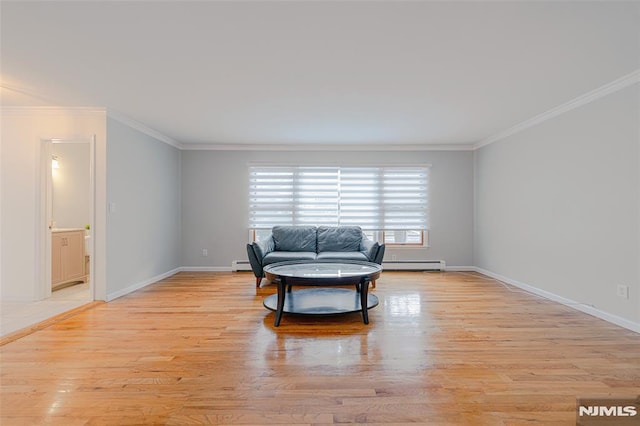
x=322 y=270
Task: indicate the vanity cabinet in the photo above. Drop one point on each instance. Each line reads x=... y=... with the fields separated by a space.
x=67 y=257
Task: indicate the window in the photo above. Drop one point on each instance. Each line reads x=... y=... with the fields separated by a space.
x=389 y=203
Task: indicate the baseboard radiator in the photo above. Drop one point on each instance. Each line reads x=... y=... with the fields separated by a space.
x=414 y=265
x=240 y=265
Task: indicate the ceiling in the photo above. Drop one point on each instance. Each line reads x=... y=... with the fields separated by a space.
x=316 y=73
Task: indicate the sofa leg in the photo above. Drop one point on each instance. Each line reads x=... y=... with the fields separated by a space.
x=258 y=280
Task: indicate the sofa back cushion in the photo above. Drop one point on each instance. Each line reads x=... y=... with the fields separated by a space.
x=339 y=239
x=294 y=238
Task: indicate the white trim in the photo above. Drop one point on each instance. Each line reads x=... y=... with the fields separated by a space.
x=157 y=278
x=144 y=129
x=614 y=319
x=614 y=86
x=141 y=284
x=588 y=97
x=323 y=147
x=92 y=218
x=206 y=269
x=42 y=242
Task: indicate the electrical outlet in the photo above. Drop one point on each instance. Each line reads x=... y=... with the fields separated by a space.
x=205 y=252
x=622 y=291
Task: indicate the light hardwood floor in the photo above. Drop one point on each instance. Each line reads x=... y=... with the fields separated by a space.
x=199 y=348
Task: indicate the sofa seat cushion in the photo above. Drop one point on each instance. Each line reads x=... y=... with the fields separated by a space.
x=339 y=239
x=285 y=256
x=294 y=238
x=342 y=256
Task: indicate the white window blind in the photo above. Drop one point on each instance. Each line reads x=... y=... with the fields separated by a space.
x=374 y=198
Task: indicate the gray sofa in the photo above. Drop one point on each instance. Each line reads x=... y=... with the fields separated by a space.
x=313 y=244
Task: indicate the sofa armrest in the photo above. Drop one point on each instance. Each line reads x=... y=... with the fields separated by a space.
x=379 y=255
x=256 y=251
x=262 y=248
x=256 y=265
x=369 y=248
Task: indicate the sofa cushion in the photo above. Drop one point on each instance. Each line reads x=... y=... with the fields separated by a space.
x=342 y=256
x=294 y=238
x=285 y=256
x=339 y=239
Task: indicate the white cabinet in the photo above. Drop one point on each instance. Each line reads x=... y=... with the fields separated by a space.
x=67 y=257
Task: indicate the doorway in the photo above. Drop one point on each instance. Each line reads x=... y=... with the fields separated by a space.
x=67 y=200
x=69 y=188
x=69 y=220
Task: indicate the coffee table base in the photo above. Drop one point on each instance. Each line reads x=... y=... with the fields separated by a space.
x=321 y=301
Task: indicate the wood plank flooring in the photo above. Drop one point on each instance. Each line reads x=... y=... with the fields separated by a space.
x=199 y=348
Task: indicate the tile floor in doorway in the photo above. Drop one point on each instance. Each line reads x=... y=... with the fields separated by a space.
x=15 y=316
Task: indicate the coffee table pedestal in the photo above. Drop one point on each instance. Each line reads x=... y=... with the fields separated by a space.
x=321 y=300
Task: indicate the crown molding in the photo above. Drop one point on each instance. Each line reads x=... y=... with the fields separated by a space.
x=589 y=97
x=144 y=129
x=323 y=147
x=607 y=89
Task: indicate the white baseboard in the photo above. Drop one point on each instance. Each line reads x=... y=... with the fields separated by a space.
x=614 y=319
x=205 y=269
x=142 y=284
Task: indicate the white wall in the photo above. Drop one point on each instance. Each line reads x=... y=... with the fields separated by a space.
x=140 y=240
x=21 y=252
x=71 y=185
x=215 y=188
x=143 y=223
x=558 y=205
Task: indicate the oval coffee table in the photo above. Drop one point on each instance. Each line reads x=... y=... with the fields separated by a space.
x=321 y=300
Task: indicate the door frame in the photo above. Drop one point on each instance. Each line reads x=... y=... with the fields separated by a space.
x=46 y=214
